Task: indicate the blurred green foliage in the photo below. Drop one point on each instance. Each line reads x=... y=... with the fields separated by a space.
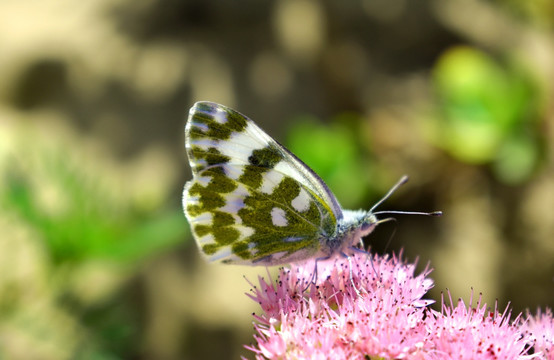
x=489 y=113
x=91 y=233
x=334 y=153
x=89 y=222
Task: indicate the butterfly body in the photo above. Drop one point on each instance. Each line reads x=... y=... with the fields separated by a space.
x=348 y=234
x=253 y=202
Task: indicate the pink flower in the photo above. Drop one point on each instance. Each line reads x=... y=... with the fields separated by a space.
x=460 y=332
x=332 y=321
x=541 y=329
x=377 y=310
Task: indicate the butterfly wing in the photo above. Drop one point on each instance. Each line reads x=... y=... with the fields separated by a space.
x=251 y=201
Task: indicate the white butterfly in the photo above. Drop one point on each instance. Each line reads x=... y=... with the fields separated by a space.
x=253 y=202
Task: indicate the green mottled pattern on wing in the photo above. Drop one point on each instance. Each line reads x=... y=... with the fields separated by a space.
x=245 y=202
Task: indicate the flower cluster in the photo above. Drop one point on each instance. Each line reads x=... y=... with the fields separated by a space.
x=373 y=308
x=541 y=329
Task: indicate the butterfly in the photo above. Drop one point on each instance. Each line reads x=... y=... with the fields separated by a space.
x=253 y=202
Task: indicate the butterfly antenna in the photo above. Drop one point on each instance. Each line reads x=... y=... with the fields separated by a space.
x=432 y=213
x=402 y=181
x=399 y=183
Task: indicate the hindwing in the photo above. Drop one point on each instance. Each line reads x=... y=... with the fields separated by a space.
x=251 y=201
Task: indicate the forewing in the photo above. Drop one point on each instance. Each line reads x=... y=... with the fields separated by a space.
x=250 y=200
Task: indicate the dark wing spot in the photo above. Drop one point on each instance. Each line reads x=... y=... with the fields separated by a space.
x=267 y=157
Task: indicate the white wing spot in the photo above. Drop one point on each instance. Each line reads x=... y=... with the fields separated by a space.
x=204 y=143
x=270 y=180
x=241 y=144
x=220 y=116
x=234 y=202
x=246 y=231
x=301 y=202
x=206 y=239
x=203 y=180
x=204 y=219
x=204 y=127
x=232 y=171
x=278 y=217
x=290 y=169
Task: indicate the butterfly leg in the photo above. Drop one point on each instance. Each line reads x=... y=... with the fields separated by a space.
x=349 y=258
x=313 y=280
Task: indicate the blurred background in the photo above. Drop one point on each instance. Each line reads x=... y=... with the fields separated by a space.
x=96 y=258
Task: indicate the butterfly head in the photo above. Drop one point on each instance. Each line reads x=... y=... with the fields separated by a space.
x=354 y=225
